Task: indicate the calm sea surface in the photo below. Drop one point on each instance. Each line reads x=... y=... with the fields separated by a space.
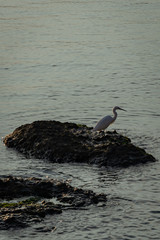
x=73 y=60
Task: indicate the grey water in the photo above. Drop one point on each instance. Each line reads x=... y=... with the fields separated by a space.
x=73 y=60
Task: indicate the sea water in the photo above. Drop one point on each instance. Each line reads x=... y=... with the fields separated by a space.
x=74 y=60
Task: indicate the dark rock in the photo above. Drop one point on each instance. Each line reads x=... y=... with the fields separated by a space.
x=69 y=142
x=11 y=220
x=23 y=213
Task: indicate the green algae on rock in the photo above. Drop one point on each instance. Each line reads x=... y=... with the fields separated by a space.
x=20 y=214
x=70 y=142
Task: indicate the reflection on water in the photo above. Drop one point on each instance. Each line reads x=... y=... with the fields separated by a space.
x=74 y=61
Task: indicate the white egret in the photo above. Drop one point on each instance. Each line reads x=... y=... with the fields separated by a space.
x=107 y=120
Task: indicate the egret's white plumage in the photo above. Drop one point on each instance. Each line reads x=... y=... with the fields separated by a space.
x=107 y=120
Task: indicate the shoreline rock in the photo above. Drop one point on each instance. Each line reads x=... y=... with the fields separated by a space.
x=22 y=213
x=70 y=142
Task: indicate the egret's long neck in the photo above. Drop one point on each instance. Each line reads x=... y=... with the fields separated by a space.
x=115 y=114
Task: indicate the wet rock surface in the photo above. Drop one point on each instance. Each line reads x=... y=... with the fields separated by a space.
x=19 y=214
x=69 y=142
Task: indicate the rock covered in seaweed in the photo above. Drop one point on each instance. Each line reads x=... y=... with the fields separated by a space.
x=69 y=142
x=20 y=214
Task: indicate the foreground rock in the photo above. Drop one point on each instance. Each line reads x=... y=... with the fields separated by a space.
x=69 y=142
x=22 y=213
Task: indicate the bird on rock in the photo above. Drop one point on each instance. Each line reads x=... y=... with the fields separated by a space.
x=107 y=120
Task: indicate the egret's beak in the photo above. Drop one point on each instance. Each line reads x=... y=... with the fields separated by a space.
x=122 y=109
